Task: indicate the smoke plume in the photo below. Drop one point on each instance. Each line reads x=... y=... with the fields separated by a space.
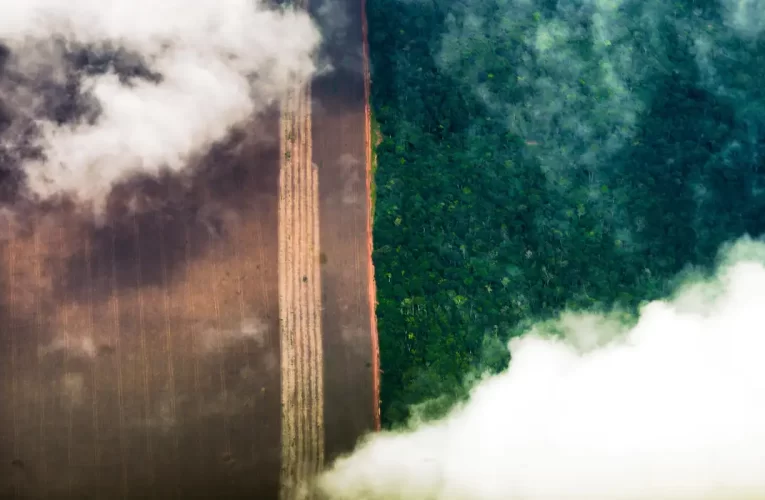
x=92 y=91
x=670 y=406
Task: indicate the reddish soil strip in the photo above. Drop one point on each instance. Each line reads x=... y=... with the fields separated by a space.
x=369 y=180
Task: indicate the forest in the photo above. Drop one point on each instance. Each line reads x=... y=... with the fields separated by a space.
x=536 y=156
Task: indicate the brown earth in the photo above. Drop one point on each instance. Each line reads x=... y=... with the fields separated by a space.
x=216 y=335
x=341 y=152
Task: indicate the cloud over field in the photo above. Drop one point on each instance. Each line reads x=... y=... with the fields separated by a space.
x=92 y=91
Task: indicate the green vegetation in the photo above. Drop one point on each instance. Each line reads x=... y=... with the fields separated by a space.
x=376 y=140
x=537 y=156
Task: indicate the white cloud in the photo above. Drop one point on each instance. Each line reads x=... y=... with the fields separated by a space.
x=674 y=408
x=220 y=62
x=74 y=345
x=253 y=329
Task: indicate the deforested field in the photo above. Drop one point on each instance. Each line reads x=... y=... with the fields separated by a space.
x=209 y=335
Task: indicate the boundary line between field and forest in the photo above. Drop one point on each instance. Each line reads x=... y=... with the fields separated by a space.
x=370 y=171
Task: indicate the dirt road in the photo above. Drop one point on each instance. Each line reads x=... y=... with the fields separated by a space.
x=215 y=336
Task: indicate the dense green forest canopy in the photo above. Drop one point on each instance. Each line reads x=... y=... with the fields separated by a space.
x=540 y=155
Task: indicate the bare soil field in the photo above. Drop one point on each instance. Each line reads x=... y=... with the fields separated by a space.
x=140 y=359
x=341 y=142
x=214 y=335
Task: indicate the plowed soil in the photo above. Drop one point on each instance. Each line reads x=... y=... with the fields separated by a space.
x=213 y=336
